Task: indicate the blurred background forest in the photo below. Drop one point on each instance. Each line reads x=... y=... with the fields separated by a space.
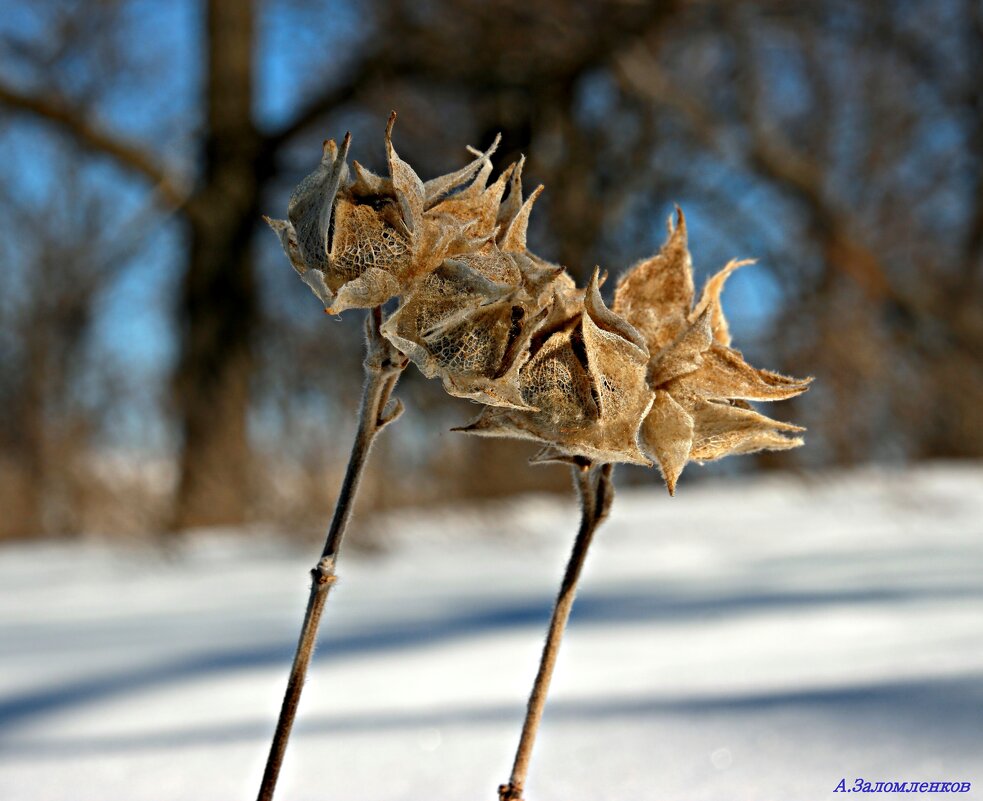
x=162 y=368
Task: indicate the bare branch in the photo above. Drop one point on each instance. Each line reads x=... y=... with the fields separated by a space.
x=95 y=138
x=768 y=154
x=370 y=71
x=775 y=160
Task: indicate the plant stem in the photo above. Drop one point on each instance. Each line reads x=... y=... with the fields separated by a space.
x=596 y=493
x=383 y=366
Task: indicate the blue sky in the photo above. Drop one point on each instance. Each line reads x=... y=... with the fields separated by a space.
x=151 y=99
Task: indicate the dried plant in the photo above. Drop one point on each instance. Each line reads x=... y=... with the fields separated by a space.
x=651 y=380
x=702 y=386
x=470 y=321
x=584 y=388
x=357 y=242
x=360 y=242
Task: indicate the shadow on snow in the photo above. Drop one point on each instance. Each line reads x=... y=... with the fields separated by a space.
x=591 y=609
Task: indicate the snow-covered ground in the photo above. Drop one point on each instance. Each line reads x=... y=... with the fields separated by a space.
x=755 y=639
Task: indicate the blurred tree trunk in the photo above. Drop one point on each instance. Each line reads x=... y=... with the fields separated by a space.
x=23 y=485
x=218 y=306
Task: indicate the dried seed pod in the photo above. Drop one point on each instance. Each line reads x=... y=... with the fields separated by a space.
x=476 y=205
x=702 y=386
x=357 y=242
x=585 y=384
x=654 y=378
x=470 y=320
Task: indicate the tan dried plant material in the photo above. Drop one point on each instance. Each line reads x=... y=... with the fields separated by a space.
x=359 y=240
x=470 y=321
x=584 y=385
x=701 y=411
x=652 y=379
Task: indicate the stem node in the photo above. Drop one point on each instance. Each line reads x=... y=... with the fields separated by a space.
x=323 y=573
x=509 y=792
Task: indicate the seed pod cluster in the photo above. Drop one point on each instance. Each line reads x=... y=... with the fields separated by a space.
x=651 y=380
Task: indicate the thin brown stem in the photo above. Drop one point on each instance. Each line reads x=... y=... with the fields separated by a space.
x=383 y=366
x=596 y=493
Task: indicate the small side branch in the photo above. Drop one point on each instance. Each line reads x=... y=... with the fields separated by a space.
x=596 y=492
x=77 y=123
x=383 y=366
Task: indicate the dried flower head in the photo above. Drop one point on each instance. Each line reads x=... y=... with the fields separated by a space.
x=702 y=386
x=470 y=320
x=653 y=379
x=359 y=241
x=584 y=383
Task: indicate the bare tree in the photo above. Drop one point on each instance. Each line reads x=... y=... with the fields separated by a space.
x=219 y=311
x=893 y=317
x=836 y=139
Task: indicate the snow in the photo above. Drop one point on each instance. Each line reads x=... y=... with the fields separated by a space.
x=749 y=639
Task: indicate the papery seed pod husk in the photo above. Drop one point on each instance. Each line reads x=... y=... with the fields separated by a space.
x=701 y=384
x=656 y=294
x=470 y=321
x=725 y=429
x=586 y=381
x=357 y=242
x=476 y=205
